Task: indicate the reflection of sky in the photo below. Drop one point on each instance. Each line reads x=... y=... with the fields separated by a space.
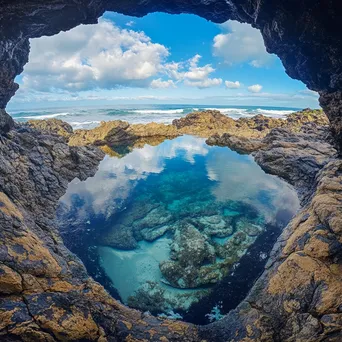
x=239 y=178
x=236 y=177
x=117 y=177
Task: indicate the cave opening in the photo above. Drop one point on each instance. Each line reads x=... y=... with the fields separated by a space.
x=306 y=36
x=89 y=65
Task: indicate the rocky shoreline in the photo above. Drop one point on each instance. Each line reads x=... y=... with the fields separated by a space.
x=46 y=294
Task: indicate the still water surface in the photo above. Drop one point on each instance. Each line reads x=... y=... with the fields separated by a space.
x=176 y=228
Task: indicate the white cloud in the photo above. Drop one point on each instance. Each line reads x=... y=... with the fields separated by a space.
x=207 y=83
x=241 y=43
x=232 y=85
x=104 y=56
x=93 y=56
x=256 y=88
x=130 y=23
x=309 y=92
x=192 y=74
x=159 y=83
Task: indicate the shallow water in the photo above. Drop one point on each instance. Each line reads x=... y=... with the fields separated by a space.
x=166 y=228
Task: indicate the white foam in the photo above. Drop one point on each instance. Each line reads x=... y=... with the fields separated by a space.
x=158 y=111
x=223 y=110
x=46 y=116
x=273 y=112
x=76 y=123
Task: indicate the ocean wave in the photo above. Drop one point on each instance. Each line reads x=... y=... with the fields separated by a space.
x=227 y=109
x=76 y=123
x=274 y=111
x=45 y=116
x=157 y=111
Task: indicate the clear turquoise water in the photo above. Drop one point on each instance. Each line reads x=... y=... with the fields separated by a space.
x=166 y=228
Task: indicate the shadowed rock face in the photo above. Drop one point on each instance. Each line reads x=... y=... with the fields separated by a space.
x=305 y=34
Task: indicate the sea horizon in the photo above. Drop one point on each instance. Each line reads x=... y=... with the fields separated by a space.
x=90 y=116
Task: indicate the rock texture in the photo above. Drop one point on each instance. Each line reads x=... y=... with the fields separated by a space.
x=111 y=135
x=119 y=132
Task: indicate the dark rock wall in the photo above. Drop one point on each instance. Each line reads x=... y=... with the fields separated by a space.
x=305 y=34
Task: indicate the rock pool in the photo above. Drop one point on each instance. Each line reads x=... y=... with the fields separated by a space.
x=178 y=228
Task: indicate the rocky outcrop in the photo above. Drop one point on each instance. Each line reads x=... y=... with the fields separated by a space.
x=119 y=132
x=46 y=294
x=112 y=134
x=52 y=126
x=42 y=283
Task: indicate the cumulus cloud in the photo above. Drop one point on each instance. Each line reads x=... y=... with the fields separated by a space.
x=159 y=83
x=104 y=56
x=192 y=74
x=232 y=85
x=255 y=88
x=241 y=43
x=93 y=56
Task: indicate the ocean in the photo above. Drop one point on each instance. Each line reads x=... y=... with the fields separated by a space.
x=90 y=117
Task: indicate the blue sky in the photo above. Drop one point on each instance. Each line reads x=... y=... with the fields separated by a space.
x=160 y=58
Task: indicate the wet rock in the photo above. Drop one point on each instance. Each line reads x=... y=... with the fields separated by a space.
x=150 y=235
x=215 y=225
x=118 y=236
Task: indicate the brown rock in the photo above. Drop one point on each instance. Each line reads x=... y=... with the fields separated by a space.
x=52 y=126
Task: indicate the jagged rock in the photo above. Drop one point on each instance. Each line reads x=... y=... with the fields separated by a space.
x=119 y=132
x=53 y=126
x=207 y=123
x=302 y=281
x=107 y=133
